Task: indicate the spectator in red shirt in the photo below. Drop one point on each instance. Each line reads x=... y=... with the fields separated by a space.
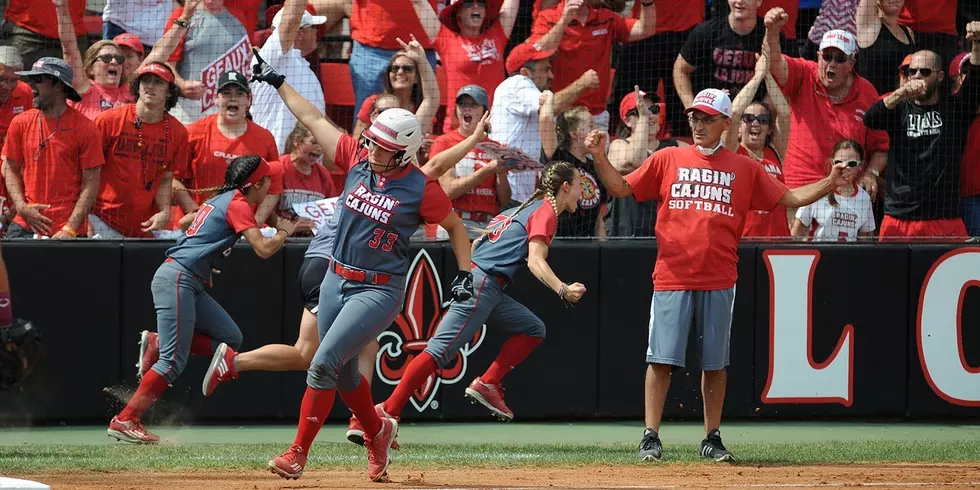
x=762 y=134
x=720 y=53
x=217 y=140
x=469 y=36
x=646 y=62
x=99 y=78
x=143 y=145
x=583 y=35
x=32 y=28
x=132 y=48
x=705 y=191
x=15 y=95
x=477 y=185
x=934 y=24
x=304 y=178
x=411 y=79
x=52 y=158
x=376 y=27
x=817 y=124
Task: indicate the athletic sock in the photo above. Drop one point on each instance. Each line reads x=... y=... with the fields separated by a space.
x=201 y=345
x=151 y=387
x=312 y=413
x=512 y=353
x=362 y=406
x=415 y=374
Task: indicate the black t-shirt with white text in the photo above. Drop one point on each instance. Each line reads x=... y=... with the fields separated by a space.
x=923 y=175
x=582 y=223
x=723 y=59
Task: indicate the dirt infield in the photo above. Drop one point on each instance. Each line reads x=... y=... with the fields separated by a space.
x=649 y=476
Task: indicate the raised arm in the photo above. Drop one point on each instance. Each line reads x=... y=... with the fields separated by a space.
x=322 y=128
x=780 y=106
x=292 y=17
x=428 y=18
x=567 y=96
x=546 y=124
x=802 y=196
x=745 y=97
x=868 y=23
x=682 y=80
x=430 y=86
x=448 y=158
x=551 y=39
x=625 y=155
x=595 y=142
x=69 y=46
x=775 y=20
x=508 y=15
x=646 y=25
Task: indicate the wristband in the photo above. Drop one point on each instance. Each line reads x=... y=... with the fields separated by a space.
x=70 y=231
x=282 y=230
x=180 y=23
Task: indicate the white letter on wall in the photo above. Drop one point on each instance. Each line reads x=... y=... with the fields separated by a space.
x=794 y=377
x=939 y=327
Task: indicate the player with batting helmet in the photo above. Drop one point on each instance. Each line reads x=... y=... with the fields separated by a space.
x=189 y=320
x=515 y=240
x=385 y=199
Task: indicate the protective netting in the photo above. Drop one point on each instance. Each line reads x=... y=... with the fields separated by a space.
x=813 y=99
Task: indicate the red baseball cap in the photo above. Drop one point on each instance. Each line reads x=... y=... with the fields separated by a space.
x=629 y=102
x=158 y=70
x=523 y=53
x=266 y=169
x=956 y=66
x=131 y=41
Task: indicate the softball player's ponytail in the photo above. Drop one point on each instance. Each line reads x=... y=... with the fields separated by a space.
x=236 y=176
x=552 y=178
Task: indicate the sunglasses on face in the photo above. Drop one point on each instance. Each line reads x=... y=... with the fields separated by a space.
x=911 y=72
x=38 y=79
x=751 y=118
x=470 y=3
x=404 y=68
x=107 y=58
x=850 y=163
x=838 y=57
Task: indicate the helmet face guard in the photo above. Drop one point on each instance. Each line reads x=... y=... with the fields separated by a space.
x=397 y=158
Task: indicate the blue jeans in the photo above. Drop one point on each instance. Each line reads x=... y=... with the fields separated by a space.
x=110 y=30
x=367 y=67
x=970 y=207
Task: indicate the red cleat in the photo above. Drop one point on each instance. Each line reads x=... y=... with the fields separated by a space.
x=379 y=450
x=222 y=369
x=491 y=397
x=130 y=431
x=149 y=353
x=355 y=432
x=290 y=464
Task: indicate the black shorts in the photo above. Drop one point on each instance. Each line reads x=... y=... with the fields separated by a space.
x=311 y=275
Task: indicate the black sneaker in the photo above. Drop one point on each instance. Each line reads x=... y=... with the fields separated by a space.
x=713 y=449
x=650 y=447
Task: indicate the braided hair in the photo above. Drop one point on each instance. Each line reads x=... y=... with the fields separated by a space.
x=552 y=178
x=236 y=176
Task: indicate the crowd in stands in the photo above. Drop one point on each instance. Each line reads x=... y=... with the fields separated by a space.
x=117 y=130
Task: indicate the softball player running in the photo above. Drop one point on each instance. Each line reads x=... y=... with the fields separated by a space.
x=515 y=240
x=385 y=199
x=189 y=321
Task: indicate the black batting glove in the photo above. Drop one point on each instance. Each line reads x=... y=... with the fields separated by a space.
x=262 y=72
x=462 y=288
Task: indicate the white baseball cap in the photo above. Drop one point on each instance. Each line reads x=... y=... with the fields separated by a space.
x=840 y=39
x=308 y=19
x=712 y=101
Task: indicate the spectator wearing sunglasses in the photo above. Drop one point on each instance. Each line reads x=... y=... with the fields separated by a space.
x=761 y=132
x=928 y=129
x=883 y=42
x=99 y=77
x=469 y=36
x=642 y=116
x=827 y=100
x=412 y=80
x=845 y=214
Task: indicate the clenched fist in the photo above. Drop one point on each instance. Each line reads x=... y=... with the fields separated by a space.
x=776 y=18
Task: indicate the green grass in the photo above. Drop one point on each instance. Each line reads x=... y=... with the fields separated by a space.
x=28 y=458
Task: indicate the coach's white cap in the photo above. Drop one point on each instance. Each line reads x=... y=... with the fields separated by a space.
x=840 y=39
x=712 y=101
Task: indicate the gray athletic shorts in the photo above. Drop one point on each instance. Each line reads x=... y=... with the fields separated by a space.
x=671 y=316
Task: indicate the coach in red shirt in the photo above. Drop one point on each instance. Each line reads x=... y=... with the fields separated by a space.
x=827 y=101
x=704 y=193
x=584 y=35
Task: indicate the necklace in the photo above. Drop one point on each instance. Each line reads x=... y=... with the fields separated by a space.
x=41 y=143
x=148 y=184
